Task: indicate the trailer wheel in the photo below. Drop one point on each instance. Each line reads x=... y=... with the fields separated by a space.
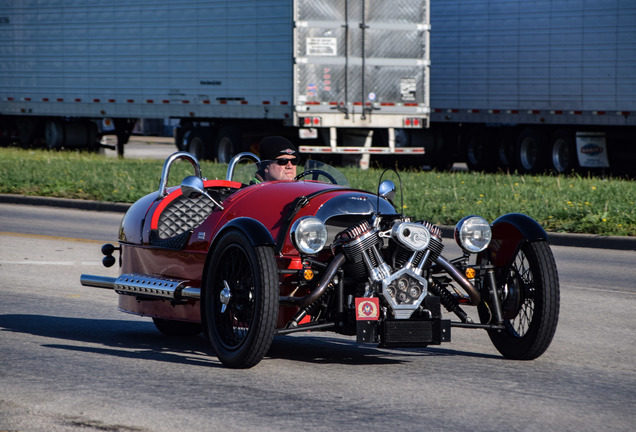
x=563 y=151
x=54 y=134
x=530 y=152
x=445 y=150
x=194 y=144
x=505 y=149
x=228 y=143
x=479 y=156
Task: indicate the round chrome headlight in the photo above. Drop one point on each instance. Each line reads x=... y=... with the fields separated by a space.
x=309 y=235
x=473 y=234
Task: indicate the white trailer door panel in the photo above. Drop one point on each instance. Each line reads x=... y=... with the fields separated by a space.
x=361 y=63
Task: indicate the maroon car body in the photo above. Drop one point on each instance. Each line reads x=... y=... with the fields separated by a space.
x=244 y=262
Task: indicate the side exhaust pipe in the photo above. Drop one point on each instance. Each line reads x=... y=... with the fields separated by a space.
x=144 y=285
x=305 y=301
x=98 y=281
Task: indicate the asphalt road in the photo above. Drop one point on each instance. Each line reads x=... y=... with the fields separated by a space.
x=69 y=361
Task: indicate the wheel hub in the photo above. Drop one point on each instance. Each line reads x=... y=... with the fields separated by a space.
x=225 y=296
x=560 y=155
x=512 y=297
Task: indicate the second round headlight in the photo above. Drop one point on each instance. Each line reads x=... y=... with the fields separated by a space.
x=309 y=235
x=473 y=234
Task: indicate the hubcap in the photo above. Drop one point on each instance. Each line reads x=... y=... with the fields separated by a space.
x=225 y=150
x=528 y=153
x=560 y=155
x=225 y=296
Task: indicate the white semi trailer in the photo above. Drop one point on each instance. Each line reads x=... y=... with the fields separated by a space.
x=526 y=85
x=336 y=76
x=533 y=85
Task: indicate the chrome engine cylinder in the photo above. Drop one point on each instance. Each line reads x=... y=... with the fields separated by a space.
x=361 y=245
x=402 y=286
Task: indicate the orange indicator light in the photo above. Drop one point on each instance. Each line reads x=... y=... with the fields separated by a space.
x=308 y=274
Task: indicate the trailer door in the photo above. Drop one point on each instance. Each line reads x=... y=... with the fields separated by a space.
x=361 y=63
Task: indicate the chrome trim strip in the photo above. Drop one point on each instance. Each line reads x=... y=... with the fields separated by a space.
x=145 y=285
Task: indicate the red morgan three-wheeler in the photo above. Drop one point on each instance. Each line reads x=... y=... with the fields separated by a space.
x=245 y=262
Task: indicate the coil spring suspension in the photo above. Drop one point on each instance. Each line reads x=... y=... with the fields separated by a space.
x=449 y=301
x=310 y=308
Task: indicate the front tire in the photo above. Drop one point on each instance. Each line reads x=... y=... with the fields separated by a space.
x=529 y=295
x=241 y=300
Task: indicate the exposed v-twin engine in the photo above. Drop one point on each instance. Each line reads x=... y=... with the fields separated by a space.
x=413 y=248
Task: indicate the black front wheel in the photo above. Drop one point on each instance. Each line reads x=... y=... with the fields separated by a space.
x=529 y=296
x=241 y=300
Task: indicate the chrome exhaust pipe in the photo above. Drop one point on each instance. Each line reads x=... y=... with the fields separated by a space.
x=98 y=281
x=144 y=285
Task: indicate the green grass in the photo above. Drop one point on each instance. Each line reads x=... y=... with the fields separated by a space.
x=572 y=204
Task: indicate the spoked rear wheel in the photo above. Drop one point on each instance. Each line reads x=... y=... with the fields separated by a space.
x=529 y=294
x=241 y=300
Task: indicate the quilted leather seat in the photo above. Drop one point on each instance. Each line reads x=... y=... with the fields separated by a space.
x=178 y=219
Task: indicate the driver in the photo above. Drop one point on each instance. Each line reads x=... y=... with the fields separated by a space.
x=280 y=157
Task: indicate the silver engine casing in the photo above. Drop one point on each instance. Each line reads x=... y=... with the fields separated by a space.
x=403 y=288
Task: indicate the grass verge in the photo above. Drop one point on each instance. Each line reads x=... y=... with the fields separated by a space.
x=573 y=204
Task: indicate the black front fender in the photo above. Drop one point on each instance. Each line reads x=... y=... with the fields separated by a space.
x=255 y=231
x=509 y=233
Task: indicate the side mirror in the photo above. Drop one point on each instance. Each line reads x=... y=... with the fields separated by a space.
x=387 y=190
x=192 y=187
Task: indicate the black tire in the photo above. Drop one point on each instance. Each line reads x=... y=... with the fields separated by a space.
x=531 y=151
x=441 y=154
x=54 y=134
x=529 y=291
x=177 y=328
x=228 y=144
x=242 y=331
x=194 y=143
x=480 y=154
x=563 y=152
x=505 y=149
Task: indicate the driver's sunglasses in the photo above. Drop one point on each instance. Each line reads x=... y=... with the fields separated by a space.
x=283 y=162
